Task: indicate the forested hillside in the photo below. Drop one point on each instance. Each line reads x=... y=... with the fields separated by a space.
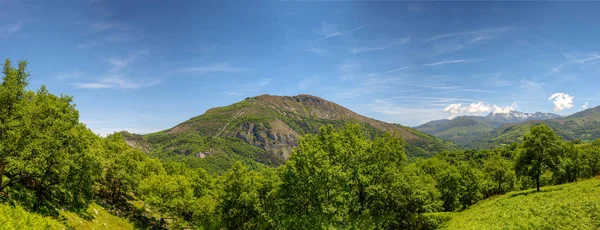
x=57 y=174
x=265 y=129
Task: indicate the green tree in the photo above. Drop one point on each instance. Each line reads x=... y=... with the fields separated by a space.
x=170 y=195
x=12 y=91
x=239 y=203
x=500 y=171
x=55 y=163
x=540 y=151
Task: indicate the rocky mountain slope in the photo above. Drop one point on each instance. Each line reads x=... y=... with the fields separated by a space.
x=266 y=128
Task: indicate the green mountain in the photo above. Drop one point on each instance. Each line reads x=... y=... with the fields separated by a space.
x=567 y=206
x=460 y=130
x=503 y=129
x=266 y=128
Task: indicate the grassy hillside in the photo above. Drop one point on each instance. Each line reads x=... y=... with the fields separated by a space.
x=265 y=129
x=568 y=206
x=19 y=218
x=95 y=217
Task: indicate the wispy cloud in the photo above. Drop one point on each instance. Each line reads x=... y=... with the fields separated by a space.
x=329 y=31
x=316 y=50
x=585 y=106
x=116 y=77
x=223 y=67
x=475 y=32
x=92 y=85
x=305 y=83
x=452 y=62
x=264 y=81
x=102 y=26
x=531 y=84
x=377 y=48
x=69 y=75
x=9 y=29
x=389 y=71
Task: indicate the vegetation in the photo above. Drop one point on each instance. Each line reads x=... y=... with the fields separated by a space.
x=55 y=173
x=568 y=206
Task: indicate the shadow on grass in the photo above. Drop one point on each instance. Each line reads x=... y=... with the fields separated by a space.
x=139 y=218
x=526 y=193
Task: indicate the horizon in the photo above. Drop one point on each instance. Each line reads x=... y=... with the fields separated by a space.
x=148 y=67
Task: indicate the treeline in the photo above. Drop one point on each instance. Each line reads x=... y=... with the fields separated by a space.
x=337 y=179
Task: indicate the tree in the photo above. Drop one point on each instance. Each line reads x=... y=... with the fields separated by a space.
x=500 y=171
x=570 y=164
x=240 y=206
x=54 y=163
x=170 y=195
x=12 y=91
x=540 y=151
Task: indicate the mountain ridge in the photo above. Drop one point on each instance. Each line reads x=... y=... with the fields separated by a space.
x=266 y=128
x=498 y=129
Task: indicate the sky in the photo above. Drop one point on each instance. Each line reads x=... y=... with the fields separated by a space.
x=146 y=66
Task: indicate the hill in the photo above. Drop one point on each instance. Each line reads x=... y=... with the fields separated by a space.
x=584 y=125
x=496 y=130
x=568 y=206
x=266 y=128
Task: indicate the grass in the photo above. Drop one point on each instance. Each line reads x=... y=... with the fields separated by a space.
x=19 y=218
x=568 y=206
x=95 y=217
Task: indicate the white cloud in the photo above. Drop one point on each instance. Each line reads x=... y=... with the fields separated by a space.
x=330 y=30
x=264 y=81
x=505 y=109
x=67 y=75
x=305 y=83
x=476 y=32
x=561 y=101
x=531 y=84
x=585 y=106
x=117 y=78
x=214 y=68
x=316 y=50
x=473 y=108
x=477 y=108
x=452 y=62
x=377 y=48
x=9 y=29
x=102 y=26
x=92 y=85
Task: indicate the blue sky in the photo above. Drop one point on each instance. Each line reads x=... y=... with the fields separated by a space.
x=146 y=66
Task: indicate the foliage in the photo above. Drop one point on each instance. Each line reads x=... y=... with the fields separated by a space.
x=541 y=151
x=15 y=218
x=569 y=206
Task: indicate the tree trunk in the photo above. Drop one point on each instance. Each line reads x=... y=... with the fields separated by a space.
x=500 y=185
x=1 y=176
x=38 y=198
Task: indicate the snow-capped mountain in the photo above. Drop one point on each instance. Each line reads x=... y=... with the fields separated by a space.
x=518 y=117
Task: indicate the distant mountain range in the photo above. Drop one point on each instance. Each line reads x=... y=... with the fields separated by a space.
x=518 y=117
x=265 y=129
x=498 y=129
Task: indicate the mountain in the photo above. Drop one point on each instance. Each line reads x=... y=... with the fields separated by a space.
x=584 y=125
x=465 y=130
x=518 y=117
x=266 y=128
